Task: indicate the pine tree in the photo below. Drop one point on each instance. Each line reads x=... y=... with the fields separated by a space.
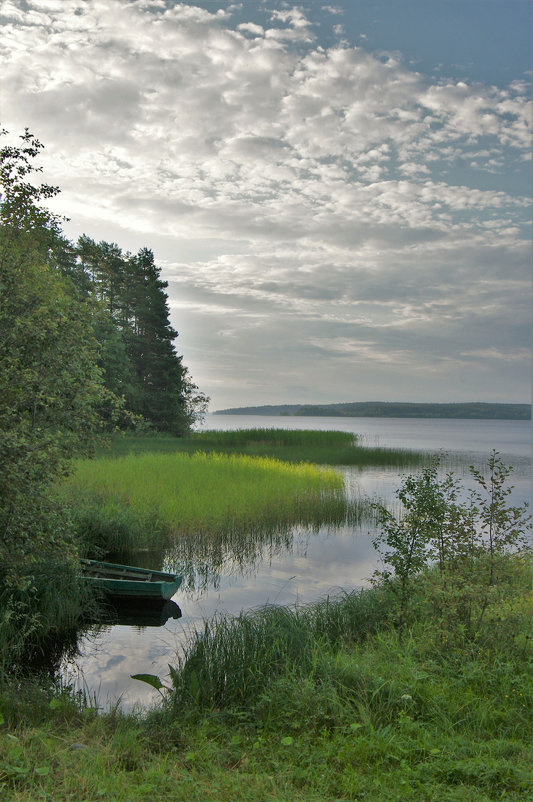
x=158 y=368
x=137 y=354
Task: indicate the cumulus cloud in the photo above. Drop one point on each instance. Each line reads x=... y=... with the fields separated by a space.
x=323 y=182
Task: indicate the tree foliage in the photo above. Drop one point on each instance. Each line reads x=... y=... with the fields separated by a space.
x=136 y=340
x=50 y=385
x=85 y=343
x=137 y=355
x=50 y=391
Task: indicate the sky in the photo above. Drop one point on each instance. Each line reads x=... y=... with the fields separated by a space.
x=338 y=194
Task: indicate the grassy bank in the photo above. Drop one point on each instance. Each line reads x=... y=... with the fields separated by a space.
x=328 y=704
x=319 y=447
x=150 y=499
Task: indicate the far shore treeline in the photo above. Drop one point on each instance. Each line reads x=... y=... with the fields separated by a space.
x=390 y=409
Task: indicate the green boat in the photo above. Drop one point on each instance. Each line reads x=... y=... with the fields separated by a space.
x=127 y=581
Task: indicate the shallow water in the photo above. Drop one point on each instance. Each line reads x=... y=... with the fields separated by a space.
x=293 y=567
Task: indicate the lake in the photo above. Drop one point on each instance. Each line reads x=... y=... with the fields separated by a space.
x=294 y=567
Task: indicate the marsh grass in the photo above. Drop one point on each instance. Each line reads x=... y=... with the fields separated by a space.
x=351 y=641
x=149 y=500
x=319 y=447
x=418 y=709
x=232 y=661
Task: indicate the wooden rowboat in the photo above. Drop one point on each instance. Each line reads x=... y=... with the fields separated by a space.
x=127 y=581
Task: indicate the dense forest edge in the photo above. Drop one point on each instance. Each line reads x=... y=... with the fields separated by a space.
x=390 y=409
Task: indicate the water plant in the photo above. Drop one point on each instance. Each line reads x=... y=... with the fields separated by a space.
x=146 y=500
x=291 y=445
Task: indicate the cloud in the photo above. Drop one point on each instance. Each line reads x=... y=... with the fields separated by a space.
x=325 y=179
x=333 y=9
x=251 y=27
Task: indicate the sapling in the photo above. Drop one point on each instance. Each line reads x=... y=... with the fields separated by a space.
x=436 y=528
x=501 y=527
x=405 y=543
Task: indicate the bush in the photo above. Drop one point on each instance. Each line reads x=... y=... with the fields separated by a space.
x=438 y=529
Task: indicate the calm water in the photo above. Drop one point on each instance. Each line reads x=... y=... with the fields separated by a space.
x=293 y=567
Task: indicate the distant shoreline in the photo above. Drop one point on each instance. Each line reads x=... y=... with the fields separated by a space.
x=390 y=409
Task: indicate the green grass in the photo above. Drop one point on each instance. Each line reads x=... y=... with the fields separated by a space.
x=232 y=661
x=146 y=491
x=155 y=499
x=319 y=447
x=329 y=706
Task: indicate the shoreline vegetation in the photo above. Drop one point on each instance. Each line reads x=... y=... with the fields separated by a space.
x=417 y=688
x=322 y=702
x=186 y=494
x=390 y=409
x=287 y=445
x=215 y=498
x=153 y=500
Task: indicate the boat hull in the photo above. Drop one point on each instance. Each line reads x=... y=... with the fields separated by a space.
x=129 y=582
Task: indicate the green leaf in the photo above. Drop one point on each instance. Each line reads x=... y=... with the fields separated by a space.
x=173 y=674
x=20 y=770
x=42 y=771
x=194 y=686
x=150 y=679
x=287 y=741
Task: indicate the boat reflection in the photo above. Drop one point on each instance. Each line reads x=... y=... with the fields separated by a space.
x=136 y=613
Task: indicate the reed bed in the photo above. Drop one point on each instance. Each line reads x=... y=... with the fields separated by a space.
x=147 y=500
x=230 y=662
x=290 y=445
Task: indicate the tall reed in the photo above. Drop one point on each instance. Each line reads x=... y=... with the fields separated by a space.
x=231 y=661
x=317 y=446
x=140 y=501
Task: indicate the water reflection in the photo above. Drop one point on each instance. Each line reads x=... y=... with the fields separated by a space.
x=313 y=564
x=137 y=613
x=204 y=558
